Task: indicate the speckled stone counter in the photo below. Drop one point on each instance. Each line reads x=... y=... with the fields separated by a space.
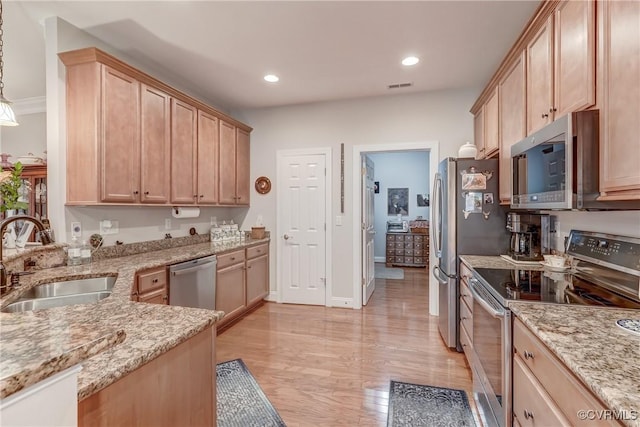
x=137 y=332
x=483 y=261
x=605 y=357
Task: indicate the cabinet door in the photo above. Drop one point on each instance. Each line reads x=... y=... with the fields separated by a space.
x=183 y=152
x=574 y=43
x=242 y=167
x=208 y=135
x=539 y=78
x=120 y=140
x=155 y=145
x=491 y=126
x=227 y=177
x=478 y=133
x=512 y=122
x=619 y=50
x=231 y=291
x=155 y=297
x=257 y=279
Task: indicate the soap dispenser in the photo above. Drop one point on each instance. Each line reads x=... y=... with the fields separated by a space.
x=74 y=252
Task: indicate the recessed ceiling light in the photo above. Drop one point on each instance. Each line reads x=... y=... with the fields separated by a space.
x=271 y=78
x=410 y=60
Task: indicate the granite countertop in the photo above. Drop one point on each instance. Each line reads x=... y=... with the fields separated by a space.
x=112 y=337
x=586 y=339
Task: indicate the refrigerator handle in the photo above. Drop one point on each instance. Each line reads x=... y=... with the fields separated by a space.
x=442 y=277
x=436 y=231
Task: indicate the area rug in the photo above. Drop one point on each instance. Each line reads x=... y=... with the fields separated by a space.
x=421 y=405
x=382 y=272
x=241 y=401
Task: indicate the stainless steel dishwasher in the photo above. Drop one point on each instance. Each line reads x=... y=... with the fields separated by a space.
x=193 y=283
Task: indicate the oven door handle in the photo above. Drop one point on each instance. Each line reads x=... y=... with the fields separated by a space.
x=492 y=309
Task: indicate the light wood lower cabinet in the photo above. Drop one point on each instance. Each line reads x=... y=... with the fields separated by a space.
x=177 y=388
x=545 y=392
x=466 y=312
x=242 y=281
x=257 y=274
x=151 y=286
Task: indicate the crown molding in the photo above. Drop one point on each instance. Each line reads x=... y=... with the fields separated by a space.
x=33 y=105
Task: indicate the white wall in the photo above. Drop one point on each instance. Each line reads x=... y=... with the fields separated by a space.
x=398 y=170
x=441 y=116
x=29 y=137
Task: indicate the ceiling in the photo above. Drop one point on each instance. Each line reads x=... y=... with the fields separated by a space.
x=321 y=50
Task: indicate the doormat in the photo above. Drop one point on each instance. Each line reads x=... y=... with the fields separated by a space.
x=241 y=401
x=422 y=405
x=382 y=272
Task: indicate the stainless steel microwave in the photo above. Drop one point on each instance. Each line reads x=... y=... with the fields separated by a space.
x=557 y=167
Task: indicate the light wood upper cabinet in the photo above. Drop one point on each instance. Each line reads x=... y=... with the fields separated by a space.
x=208 y=146
x=478 y=133
x=120 y=142
x=242 y=167
x=183 y=153
x=512 y=121
x=561 y=64
x=155 y=158
x=234 y=165
x=133 y=139
x=619 y=61
x=574 y=57
x=540 y=78
x=491 y=125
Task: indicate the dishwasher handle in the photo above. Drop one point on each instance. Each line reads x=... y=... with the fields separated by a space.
x=191 y=269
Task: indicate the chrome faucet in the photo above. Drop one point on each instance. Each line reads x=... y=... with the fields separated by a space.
x=45 y=238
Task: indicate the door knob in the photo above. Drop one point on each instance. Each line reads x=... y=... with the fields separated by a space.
x=287 y=237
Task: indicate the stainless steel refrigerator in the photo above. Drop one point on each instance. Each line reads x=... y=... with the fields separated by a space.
x=467 y=219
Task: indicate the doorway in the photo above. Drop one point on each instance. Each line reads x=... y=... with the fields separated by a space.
x=359 y=189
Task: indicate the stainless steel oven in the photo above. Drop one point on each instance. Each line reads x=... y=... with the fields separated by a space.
x=492 y=356
x=607 y=274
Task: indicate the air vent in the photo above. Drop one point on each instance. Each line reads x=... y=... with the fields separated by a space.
x=400 y=85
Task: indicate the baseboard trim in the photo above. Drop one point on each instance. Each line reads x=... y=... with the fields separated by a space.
x=272 y=296
x=341 y=302
x=379 y=259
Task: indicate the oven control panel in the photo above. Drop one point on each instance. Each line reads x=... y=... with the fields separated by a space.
x=617 y=250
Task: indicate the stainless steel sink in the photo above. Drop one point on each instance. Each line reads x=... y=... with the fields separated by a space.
x=63 y=293
x=71 y=287
x=55 y=301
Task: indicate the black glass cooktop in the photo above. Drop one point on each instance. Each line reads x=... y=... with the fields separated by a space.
x=549 y=287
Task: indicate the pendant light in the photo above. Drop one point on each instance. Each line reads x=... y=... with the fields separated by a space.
x=7 y=116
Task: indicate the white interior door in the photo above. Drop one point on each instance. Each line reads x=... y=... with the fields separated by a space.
x=368 y=230
x=302 y=228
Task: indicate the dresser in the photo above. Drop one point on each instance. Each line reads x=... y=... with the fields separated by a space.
x=407 y=249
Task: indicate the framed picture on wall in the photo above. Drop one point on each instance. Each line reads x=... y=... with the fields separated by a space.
x=376 y=187
x=423 y=200
x=398 y=201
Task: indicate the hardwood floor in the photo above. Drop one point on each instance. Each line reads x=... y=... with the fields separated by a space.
x=332 y=366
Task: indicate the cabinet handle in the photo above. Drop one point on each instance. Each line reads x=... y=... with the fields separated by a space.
x=136 y=192
x=165 y=297
x=553 y=109
x=528 y=414
x=233 y=258
x=528 y=355
x=135 y=294
x=195 y=196
x=248 y=267
x=154 y=281
x=146 y=193
x=545 y=115
x=201 y=196
x=464 y=317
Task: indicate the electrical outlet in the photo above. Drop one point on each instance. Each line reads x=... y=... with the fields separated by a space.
x=108 y=227
x=167 y=224
x=76 y=229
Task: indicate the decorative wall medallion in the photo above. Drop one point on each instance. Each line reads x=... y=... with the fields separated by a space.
x=263 y=185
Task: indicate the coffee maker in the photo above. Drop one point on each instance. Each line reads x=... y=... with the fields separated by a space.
x=530 y=235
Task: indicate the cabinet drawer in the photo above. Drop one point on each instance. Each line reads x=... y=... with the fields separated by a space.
x=154 y=297
x=418 y=239
x=531 y=404
x=399 y=245
x=257 y=251
x=563 y=387
x=418 y=246
x=391 y=244
x=391 y=238
x=408 y=238
x=150 y=280
x=230 y=258
x=419 y=260
x=408 y=260
x=409 y=252
x=465 y=272
x=465 y=295
x=465 y=341
x=466 y=317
